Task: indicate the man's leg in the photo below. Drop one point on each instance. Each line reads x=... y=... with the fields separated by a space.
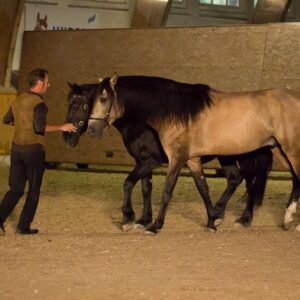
x=17 y=181
x=35 y=167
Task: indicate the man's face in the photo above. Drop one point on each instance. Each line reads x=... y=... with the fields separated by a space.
x=45 y=84
x=42 y=86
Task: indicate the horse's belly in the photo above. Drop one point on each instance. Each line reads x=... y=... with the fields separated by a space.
x=231 y=139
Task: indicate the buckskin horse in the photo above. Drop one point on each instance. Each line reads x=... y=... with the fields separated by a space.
x=194 y=120
x=144 y=146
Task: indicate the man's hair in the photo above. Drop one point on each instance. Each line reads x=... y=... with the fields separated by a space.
x=35 y=75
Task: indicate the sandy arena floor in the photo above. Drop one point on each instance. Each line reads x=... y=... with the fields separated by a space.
x=81 y=253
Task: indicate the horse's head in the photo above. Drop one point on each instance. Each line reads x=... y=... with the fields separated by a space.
x=80 y=101
x=41 y=24
x=105 y=108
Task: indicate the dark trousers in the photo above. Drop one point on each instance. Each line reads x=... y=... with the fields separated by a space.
x=25 y=166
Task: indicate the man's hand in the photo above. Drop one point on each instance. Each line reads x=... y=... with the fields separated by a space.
x=68 y=127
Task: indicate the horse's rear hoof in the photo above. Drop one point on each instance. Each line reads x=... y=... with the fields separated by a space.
x=127 y=227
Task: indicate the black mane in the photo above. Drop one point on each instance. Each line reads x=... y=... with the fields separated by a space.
x=157 y=99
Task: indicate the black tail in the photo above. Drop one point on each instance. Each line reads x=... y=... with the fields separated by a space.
x=255 y=167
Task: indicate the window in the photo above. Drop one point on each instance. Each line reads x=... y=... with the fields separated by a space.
x=221 y=2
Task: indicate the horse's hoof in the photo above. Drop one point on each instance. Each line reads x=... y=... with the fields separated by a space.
x=148 y=232
x=237 y=225
x=211 y=229
x=139 y=227
x=286 y=226
x=297 y=229
x=151 y=230
x=245 y=222
x=127 y=227
x=218 y=222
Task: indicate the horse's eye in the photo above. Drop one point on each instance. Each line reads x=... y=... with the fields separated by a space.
x=81 y=123
x=102 y=98
x=85 y=106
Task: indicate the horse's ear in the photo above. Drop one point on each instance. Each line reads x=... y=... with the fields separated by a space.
x=38 y=16
x=72 y=86
x=113 y=81
x=98 y=78
x=45 y=18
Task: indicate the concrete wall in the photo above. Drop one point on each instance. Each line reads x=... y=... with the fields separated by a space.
x=235 y=58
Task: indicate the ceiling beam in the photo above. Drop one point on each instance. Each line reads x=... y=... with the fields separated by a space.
x=151 y=13
x=270 y=11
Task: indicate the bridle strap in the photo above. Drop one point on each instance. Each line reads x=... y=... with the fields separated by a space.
x=101 y=119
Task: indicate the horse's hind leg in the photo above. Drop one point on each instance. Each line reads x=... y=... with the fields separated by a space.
x=291 y=207
x=255 y=169
x=255 y=189
x=234 y=179
x=292 y=204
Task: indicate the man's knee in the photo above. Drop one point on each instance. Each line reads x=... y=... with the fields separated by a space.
x=16 y=193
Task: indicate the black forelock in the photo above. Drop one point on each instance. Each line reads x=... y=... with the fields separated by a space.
x=88 y=90
x=157 y=99
x=87 y=93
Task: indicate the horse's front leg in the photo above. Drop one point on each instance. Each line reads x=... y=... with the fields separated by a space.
x=195 y=167
x=143 y=172
x=170 y=182
x=146 y=217
x=127 y=210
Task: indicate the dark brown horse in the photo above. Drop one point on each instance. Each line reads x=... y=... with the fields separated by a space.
x=194 y=120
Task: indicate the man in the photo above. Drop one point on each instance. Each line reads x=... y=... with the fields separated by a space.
x=28 y=115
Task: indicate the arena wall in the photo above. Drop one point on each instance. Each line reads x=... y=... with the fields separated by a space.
x=231 y=58
x=7 y=95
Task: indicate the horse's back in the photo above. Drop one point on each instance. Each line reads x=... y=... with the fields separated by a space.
x=244 y=121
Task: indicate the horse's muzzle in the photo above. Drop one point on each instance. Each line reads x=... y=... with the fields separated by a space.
x=70 y=139
x=96 y=127
x=91 y=131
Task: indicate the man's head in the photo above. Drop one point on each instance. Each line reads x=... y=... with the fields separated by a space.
x=38 y=81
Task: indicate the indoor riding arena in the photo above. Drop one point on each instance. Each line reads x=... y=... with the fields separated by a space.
x=82 y=250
